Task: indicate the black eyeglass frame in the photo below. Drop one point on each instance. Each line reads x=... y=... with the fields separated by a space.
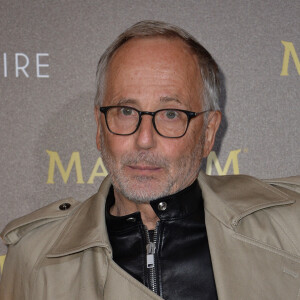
x=190 y=115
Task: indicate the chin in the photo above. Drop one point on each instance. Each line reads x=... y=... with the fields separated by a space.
x=143 y=189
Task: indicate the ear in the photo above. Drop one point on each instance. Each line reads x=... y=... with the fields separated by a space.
x=213 y=123
x=97 y=119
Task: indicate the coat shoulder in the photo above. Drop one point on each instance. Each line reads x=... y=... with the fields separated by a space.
x=240 y=187
x=291 y=183
x=229 y=181
x=231 y=198
x=18 y=228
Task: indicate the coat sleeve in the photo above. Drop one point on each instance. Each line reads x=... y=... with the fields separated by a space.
x=14 y=284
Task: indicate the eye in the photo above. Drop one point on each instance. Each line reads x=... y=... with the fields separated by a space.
x=171 y=114
x=126 y=111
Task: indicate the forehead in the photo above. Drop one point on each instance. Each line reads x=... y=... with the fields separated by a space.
x=162 y=66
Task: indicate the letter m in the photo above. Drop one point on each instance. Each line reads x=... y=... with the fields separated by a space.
x=2 y=259
x=232 y=158
x=289 y=50
x=65 y=174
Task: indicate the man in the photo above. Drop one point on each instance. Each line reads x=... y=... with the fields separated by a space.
x=157 y=228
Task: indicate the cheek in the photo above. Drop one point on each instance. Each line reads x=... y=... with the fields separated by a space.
x=196 y=133
x=117 y=145
x=184 y=148
x=110 y=142
x=173 y=149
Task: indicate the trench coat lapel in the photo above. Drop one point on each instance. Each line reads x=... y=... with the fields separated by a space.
x=87 y=228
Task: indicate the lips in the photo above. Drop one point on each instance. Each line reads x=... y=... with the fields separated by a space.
x=144 y=167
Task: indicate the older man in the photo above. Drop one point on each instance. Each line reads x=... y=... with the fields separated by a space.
x=154 y=230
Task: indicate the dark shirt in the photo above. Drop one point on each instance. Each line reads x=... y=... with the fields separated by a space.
x=181 y=266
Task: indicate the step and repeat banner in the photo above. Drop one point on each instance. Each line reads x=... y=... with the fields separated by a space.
x=48 y=56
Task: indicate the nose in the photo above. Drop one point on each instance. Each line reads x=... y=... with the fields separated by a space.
x=145 y=134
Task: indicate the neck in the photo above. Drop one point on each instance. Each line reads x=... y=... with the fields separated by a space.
x=123 y=207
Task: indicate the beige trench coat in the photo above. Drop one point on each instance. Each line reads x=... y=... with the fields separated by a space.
x=253 y=231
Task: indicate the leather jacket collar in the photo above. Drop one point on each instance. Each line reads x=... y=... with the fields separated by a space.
x=175 y=207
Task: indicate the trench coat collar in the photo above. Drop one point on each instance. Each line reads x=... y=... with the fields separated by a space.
x=86 y=228
x=231 y=198
x=228 y=198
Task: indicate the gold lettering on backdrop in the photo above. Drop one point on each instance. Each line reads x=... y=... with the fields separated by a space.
x=2 y=259
x=289 y=50
x=99 y=163
x=54 y=159
x=99 y=169
x=232 y=159
x=65 y=174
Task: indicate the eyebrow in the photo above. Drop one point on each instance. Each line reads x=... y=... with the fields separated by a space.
x=166 y=99
x=126 y=101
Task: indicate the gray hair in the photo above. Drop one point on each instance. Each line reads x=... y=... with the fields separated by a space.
x=209 y=69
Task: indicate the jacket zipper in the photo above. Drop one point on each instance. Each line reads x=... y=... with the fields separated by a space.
x=150 y=258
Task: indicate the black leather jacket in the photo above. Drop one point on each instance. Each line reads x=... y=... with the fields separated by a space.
x=174 y=259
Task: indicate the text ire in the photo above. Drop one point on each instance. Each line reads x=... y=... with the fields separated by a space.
x=21 y=62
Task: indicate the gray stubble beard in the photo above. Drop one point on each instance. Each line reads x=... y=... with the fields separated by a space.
x=125 y=185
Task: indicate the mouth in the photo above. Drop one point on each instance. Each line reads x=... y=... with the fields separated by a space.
x=144 y=169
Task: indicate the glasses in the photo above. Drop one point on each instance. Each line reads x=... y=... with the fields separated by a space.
x=169 y=123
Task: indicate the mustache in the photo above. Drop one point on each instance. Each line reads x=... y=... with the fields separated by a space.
x=150 y=159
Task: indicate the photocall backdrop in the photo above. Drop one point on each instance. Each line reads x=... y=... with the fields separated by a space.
x=48 y=56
